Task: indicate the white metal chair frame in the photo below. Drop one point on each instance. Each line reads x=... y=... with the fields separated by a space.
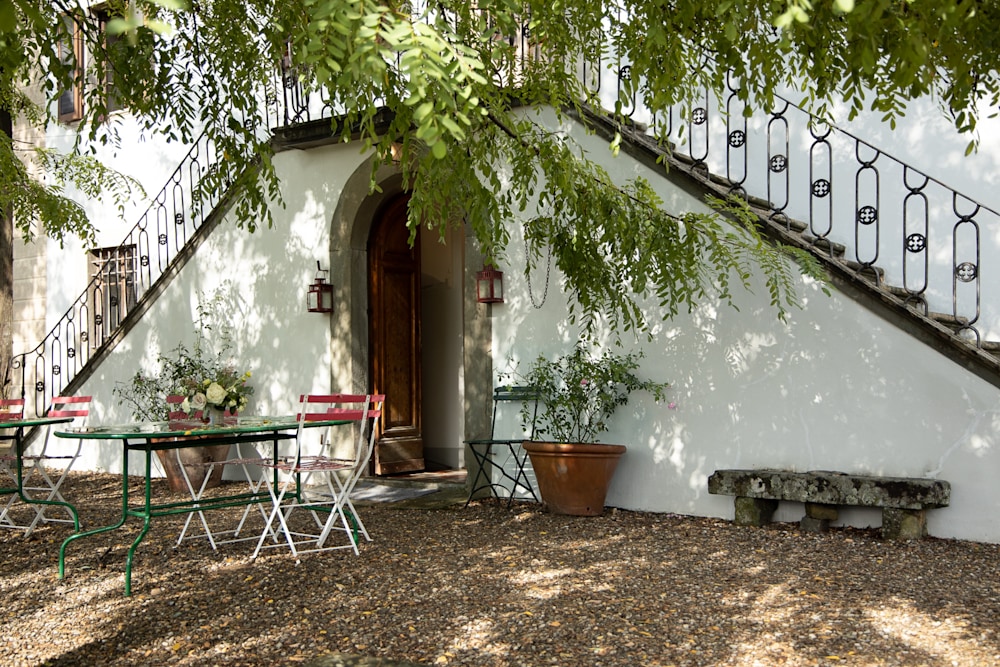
x=62 y=406
x=293 y=492
x=254 y=483
x=173 y=403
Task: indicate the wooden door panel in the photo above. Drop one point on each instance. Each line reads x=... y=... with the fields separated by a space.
x=399 y=346
x=394 y=291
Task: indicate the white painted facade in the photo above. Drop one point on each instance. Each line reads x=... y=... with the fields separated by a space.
x=836 y=388
x=264 y=278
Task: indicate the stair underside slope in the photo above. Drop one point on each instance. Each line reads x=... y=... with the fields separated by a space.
x=862 y=284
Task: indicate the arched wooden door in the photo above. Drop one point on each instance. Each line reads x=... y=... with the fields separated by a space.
x=394 y=296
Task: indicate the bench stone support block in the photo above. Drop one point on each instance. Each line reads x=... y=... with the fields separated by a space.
x=826 y=513
x=813 y=525
x=900 y=524
x=754 y=511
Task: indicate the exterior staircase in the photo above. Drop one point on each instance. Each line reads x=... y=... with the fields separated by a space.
x=949 y=333
x=128 y=280
x=125 y=282
x=851 y=233
x=897 y=240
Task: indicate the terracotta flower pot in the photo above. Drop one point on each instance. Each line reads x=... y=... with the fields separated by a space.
x=193 y=459
x=573 y=478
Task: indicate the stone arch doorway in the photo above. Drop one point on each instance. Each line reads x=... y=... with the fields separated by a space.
x=443 y=353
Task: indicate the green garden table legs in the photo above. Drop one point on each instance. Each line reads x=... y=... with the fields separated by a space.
x=103 y=529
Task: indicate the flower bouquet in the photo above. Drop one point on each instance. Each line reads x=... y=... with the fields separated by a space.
x=225 y=390
x=209 y=385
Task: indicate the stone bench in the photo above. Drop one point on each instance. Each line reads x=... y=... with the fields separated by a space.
x=904 y=500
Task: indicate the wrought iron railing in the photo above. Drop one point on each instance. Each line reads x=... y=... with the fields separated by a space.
x=121 y=277
x=918 y=237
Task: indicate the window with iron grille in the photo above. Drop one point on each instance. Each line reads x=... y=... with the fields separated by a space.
x=113 y=288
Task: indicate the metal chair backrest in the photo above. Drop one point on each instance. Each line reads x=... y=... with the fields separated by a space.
x=11 y=409
x=363 y=408
x=515 y=394
x=77 y=407
x=69 y=406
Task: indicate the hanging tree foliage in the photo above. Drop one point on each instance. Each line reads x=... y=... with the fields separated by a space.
x=454 y=85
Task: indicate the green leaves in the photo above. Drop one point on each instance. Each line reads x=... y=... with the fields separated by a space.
x=439 y=90
x=796 y=12
x=578 y=393
x=8 y=16
x=366 y=54
x=45 y=202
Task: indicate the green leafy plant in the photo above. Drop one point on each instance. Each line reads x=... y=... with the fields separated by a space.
x=578 y=393
x=205 y=378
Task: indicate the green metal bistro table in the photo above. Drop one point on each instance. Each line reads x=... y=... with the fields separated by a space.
x=17 y=438
x=147 y=438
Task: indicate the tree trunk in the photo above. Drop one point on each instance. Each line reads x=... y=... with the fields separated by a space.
x=6 y=277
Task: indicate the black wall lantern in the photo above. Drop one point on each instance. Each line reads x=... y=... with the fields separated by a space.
x=489 y=285
x=320 y=296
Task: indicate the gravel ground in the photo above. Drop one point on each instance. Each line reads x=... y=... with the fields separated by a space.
x=487 y=585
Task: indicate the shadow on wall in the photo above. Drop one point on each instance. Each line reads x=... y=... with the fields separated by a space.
x=836 y=388
x=261 y=280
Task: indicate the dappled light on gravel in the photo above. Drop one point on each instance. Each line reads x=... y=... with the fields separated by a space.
x=491 y=586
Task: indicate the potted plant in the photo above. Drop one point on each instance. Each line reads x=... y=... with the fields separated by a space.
x=577 y=395
x=211 y=385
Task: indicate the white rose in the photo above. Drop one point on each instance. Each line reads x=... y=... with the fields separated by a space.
x=198 y=401
x=215 y=393
x=185 y=406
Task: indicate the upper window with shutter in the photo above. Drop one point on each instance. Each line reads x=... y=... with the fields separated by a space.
x=70 y=103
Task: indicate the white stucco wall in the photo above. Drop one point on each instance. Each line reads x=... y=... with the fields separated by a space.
x=836 y=388
x=265 y=276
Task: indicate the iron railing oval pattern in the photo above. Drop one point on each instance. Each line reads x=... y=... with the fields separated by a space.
x=895 y=206
x=967 y=276
x=915 y=239
x=171 y=219
x=821 y=183
x=867 y=184
x=777 y=167
x=736 y=139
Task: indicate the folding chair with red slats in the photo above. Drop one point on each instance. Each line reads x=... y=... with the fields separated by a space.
x=11 y=410
x=43 y=471
x=333 y=497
